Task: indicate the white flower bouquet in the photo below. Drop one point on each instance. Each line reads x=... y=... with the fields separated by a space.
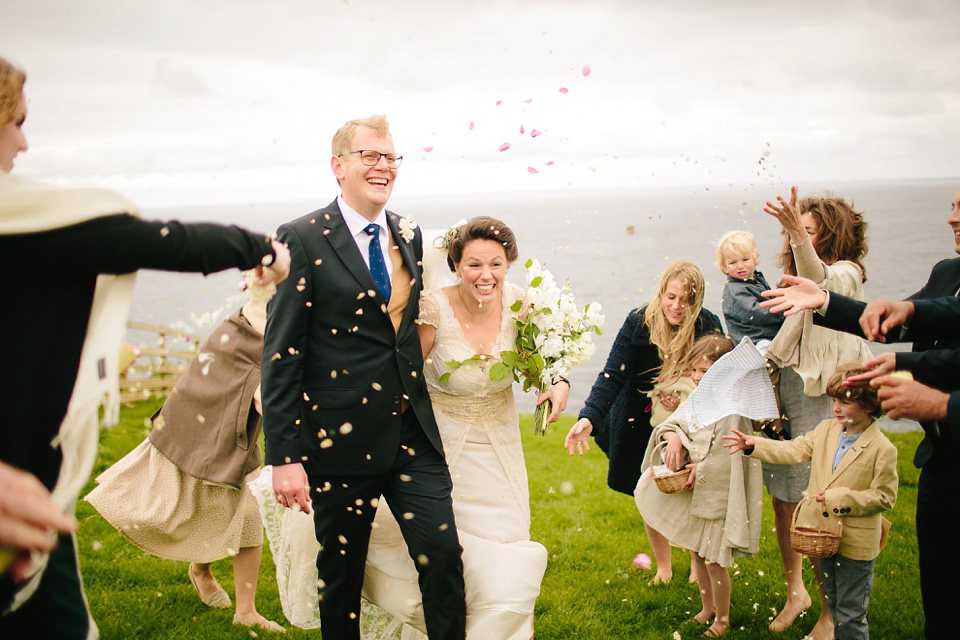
x=553 y=336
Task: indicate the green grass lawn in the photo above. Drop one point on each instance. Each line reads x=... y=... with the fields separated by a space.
x=591 y=589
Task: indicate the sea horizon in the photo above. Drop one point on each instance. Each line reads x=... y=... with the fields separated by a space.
x=611 y=245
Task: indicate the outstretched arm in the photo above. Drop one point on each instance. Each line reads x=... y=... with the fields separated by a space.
x=910 y=399
x=738 y=441
x=802 y=293
x=579 y=436
x=788 y=215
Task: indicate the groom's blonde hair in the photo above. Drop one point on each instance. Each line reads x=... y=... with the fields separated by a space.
x=343 y=138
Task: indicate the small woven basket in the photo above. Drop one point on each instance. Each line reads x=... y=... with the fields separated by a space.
x=816 y=543
x=669 y=482
x=673 y=482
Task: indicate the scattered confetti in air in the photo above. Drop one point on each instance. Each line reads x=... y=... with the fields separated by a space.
x=563 y=89
x=586 y=69
x=522 y=131
x=642 y=561
x=428 y=149
x=528 y=101
x=471 y=125
x=499 y=102
x=504 y=146
x=550 y=163
x=533 y=133
x=532 y=170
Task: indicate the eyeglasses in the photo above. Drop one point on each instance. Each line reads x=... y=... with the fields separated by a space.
x=371 y=158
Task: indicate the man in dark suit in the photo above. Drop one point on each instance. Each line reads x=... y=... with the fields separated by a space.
x=924 y=399
x=346 y=412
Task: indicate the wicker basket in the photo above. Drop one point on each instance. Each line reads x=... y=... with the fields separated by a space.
x=816 y=543
x=673 y=482
x=669 y=482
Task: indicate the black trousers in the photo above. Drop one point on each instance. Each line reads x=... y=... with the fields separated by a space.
x=57 y=609
x=417 y=489
x=938 y=528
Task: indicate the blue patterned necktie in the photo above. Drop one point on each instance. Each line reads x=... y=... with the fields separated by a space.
x=378 y=268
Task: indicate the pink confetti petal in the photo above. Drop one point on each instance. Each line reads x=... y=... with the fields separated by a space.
x=642 y=561
x=586 y=69
x=499 y=102
x=528 y=101
x=533 y=133
x=504 y=146
x=563 y=89
x=428 y=149
x=471 y=125
x=550 y=163
x=532 y=170
x=521 y=129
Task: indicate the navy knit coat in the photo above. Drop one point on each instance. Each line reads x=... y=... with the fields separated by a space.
x=618 y=406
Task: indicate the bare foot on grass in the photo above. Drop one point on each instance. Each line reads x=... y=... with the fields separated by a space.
x=793 y=608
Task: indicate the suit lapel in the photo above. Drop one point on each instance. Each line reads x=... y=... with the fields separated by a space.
x=409 y=260
x=338 y=235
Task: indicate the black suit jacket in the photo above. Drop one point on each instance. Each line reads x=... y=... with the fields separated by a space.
x=843 y=314
x=334 y=370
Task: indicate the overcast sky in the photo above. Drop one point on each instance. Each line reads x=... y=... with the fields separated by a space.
x=216 y=101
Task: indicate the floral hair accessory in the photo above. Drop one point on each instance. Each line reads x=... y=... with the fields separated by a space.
x=407 y=227
x=451 y=234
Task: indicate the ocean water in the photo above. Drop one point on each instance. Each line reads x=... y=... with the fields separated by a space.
x=612 y=246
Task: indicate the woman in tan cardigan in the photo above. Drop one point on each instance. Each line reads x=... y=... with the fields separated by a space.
x=824 y=240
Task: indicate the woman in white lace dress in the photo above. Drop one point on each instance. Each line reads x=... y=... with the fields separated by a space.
x=478 y=422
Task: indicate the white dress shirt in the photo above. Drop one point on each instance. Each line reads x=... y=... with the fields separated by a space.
x=357 y=223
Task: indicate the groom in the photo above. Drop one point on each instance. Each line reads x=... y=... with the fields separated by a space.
x=346 y=413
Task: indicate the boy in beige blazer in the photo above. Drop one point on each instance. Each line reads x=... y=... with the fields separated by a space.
x=853 y=476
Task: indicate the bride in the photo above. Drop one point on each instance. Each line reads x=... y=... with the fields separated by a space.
x=478 y=422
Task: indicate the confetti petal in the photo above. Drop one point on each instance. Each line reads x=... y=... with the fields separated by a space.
x=499 y=102
x=428 y=149
x=471 y=125
x=528 y=101
x=504 y=146
x=550 y=163
x=586 y=69
x=563 y=89
x=533 y=133
x=521 y=130
x=532 y=170
x=642 y=561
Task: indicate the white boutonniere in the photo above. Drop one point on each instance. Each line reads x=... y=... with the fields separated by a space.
x=406 y=228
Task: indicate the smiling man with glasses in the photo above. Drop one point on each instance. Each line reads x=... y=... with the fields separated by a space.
x=346 y=413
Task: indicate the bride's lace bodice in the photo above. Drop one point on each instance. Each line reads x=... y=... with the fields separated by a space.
x=472 y=379
x=469 y=404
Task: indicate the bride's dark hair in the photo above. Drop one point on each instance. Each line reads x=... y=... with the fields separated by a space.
x=481 y=228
